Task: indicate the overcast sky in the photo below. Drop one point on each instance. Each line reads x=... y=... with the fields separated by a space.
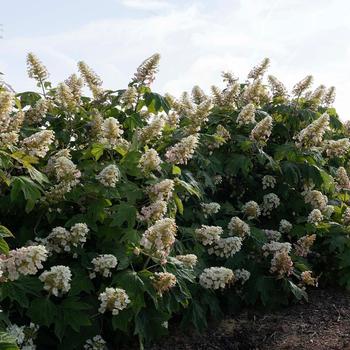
x=196 y=39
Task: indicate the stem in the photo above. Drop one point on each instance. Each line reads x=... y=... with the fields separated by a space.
x=42 y=87
x=146 y=263
x=141 y=343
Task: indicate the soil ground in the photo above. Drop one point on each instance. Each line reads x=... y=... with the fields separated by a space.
x=321 y=324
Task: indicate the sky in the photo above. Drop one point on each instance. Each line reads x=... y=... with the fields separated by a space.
x=197 y=40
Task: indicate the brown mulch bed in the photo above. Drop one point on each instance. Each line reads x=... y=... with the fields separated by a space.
x=321 y=324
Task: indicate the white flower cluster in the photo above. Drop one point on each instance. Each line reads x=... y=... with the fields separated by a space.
x=315 y=217
x=160 y=237
x=96 y=343
x=22 y=261
x=57 y=280
x=346 y=216
x=182 y=151
x=221 y=136
x=276 y=247
x=66 y=170
x=241 y=275
x=36 y=69
x=226 y=247
x=38 y=111
x=65 y=97
x=316 y=199
x=38 y=143
x=251 y=210
x=114 y=300
x=285 y=226
x=91 y=79
x=163 y=281
x=149 y=161
x=337 y=148
x=247 y=115
x=272 y=235
x=312 y=135
x=210 y=208
x=216 y=278
x=103 y=264
x=129 y=97
x=238 y=227
x=109 y=176
x=208 y=235
x=303 y=245
x=262 y=130
x=111 y=133
x=60 y=239
x=152 y=131
x=268 y=181
x=307 y=279
x=328 y=211
x=188 y=260
x=270 y=202
x=281 y=264
x=162 y=190
x=343 y=178
x=153 y=212
x=23 y=335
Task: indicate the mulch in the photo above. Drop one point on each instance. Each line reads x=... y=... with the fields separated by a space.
x=322 y=324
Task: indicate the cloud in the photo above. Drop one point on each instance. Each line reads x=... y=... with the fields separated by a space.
x=197 y=40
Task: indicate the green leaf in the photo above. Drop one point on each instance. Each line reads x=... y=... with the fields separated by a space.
x=124 y=213
x=7 y=342
x=42 y=311
x=4 y=248
x=298 y=292
x=179 y=204
x=5 y=232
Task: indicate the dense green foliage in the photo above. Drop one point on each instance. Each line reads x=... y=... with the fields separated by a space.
x=126 y=208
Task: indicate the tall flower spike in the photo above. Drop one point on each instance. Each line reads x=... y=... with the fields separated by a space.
x=36 y=69
x=302 y=85
x=277 y=88
x=259 y=71
x=147 y=70
x=92 y=80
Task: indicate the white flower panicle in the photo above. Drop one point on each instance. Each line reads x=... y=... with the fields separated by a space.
x=114 y=300
x=328 y=211
x=346 y=216
x=35 y=114
x=276 y=247
x=7 y=100
x=307 y=279
x=329 y=97
x=163 y=281
x=247 y=115
x=277 y=88
x=302 y=86
x=241 y=275
x=259 y=70
x=281 y=264
x=96 y=343
x=163 y=190
x=65 y=170
x=270 y=202
x=268 y=181
x=221 y=136
x=188 y=260
x=36 y=69
x=57 y=280
x=337 y=148
x=210 y=208
x=111 y=132
x=272 y=235
x=313 y=134
x=182 y=151
x=262 y=130
x=315 y=217
x=129 y=97
x=160 y=237
x=152 y=131
x=91 y=79
x=285 y=226
x=147 y=70
x=60 y=239
x=226 y=247
x=38 y=143
x=75 y=85
x=65 y=97
x=303 y=245
x=251 y=210
x=238 y=227
x=109 y=176
x=153 y=212
x=150 y=161
x=208 y=235
x=343 y=178
x=24 y=336
x=22 y=262
x=316 y=199
x=103 y=264
x=216 y=278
